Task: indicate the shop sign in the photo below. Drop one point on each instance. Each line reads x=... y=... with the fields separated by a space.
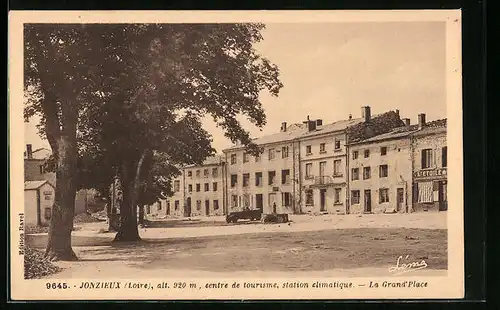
x=430 y=174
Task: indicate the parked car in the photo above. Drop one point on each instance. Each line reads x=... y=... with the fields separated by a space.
x=254 y=215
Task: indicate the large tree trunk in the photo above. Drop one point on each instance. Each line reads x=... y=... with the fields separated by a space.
x=61 y=224
x=141 y=214
x=128 y=229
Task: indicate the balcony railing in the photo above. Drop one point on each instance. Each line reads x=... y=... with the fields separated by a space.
x=323 y=180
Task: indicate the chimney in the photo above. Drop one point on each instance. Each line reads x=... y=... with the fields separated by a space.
x=397 y=113
x=29 y=151
x=283 y=127
x=421 y=120
x=366 y=113
x=311 y=125
x=407 y=122
x=319 y=122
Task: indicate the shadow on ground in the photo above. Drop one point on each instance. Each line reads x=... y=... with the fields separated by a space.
x=193 y=223
x=299 y=251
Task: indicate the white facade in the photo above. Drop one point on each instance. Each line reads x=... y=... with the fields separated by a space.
x=38 y=200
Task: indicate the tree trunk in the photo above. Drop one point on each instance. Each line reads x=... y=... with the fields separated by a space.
x=128 y=212
x=63 y=210
x=141 y=214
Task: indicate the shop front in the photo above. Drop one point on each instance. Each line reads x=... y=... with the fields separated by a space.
x=430 y=190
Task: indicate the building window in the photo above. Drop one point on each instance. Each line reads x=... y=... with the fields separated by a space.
x=246 y=179
x=190 y=188
x=233 y=159
x=258 y=178
x=367 y=153
x=207 y=187
x=309 y=197
x=198 y=205
x=47 y=214
x=308 y=150
x=366 y=173
x=336 y=195
x=246 y=200
x=234 y=201
x=337 y=144
x=177 y=186
x=444 y=157
x=190 y=173
x=383 y=171
x=284 y=152
x=197 y=173
x=214 y=186
x=355 y=197
x=383 y=195
x=245 y=157
x=426 y=158
x=271 y=154
x=158 y=206
x=257 y=158
x=355 y=155
x=207 y=206
x=271 y=176
x=285 y=176
x=322 y=148
x=205 y=173
x=198 y=187
x=176 y=205
x=234 y=180
x=355 y=174
x=337 y=167
x=215 y=172
x=286 y=199
x=216 y=205
x=383 y=150
x=309 y=171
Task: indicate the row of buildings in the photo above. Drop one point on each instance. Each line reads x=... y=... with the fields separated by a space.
x=371 y=164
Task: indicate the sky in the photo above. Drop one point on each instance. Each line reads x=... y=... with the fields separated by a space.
x=331 y=70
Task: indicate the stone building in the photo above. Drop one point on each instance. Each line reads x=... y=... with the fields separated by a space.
x=34 y=170
x=205 y=187
x=430 y=164
x=323 y=166
x=381 y=172
x=270 y=181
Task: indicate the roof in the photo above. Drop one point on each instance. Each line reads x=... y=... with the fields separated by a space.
x=333 y=127
x=294 y=131
x=32 y=185
x=437 y=126
x=212 y=160
x=396 y=133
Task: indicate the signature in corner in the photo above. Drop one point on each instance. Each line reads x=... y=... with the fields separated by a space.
x=402 y=267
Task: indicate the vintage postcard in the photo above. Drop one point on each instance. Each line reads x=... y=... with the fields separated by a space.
x=175 y=155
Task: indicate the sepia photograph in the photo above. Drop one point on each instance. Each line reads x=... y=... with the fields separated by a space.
x=245 y=156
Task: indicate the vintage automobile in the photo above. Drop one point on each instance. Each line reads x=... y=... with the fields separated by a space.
x=248 y=214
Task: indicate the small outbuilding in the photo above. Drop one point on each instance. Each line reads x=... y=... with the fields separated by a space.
x=38 y=200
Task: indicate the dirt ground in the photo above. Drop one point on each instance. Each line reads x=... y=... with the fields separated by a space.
x=327 y=245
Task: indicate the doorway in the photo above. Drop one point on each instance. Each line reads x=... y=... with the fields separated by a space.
x=442 y=195
x=322 y=200
x=207 y=207
x=368 y=201
x=187 y=208
x=272 y=202
x=259 y=201
x=399 y=199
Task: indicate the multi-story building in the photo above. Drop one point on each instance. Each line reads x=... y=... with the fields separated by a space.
x=205 y=187
x=381 y=172
x=34 y=170
x=429 y=164
x=323 y=166
x=198 y=190
x=269 y=181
